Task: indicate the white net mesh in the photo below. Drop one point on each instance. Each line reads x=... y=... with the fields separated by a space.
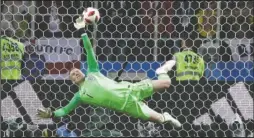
x=142 y=34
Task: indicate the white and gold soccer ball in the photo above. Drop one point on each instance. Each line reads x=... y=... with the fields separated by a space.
x=91 y=15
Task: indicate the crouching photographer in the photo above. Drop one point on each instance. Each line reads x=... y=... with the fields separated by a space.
x=14 y=127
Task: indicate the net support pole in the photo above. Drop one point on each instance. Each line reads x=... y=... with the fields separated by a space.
x=1 y=70
x=33 y=11
x=218 y=21
x=155 y=18
x=211 y=64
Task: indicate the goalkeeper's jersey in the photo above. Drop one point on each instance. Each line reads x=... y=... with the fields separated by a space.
x=101 y=91
x=97 y=89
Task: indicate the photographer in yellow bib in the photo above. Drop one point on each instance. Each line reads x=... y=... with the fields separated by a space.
x=189 y=65
x=12 y=52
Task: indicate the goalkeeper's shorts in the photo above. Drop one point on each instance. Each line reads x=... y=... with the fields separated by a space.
x=142 y=89
x=135 y=107
x=138 y=109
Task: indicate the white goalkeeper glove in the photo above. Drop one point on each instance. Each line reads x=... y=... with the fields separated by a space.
x=80 y=23
x=44 y=113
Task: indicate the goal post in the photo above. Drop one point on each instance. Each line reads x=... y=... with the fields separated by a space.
x=131 y=40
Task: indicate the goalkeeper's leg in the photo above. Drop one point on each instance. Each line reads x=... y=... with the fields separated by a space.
x=163 y=81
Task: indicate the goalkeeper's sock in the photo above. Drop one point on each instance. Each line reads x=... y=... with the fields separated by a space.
x=166 y=67
x=162 y=119
x=169 y=119
x=163 y=76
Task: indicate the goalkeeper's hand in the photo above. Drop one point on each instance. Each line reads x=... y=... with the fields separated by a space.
x=44 y=113
x=80 y=23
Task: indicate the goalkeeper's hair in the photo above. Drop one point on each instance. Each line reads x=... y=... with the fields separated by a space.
x=71 y=70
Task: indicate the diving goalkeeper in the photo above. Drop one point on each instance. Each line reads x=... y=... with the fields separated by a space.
x=124 y=97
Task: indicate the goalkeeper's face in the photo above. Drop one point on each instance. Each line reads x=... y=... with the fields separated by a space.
x=77 y=76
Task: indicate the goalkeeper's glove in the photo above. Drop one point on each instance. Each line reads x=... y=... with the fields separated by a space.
x=80 y=23
x=44 y=113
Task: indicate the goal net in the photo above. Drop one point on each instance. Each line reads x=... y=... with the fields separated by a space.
x=131 y=40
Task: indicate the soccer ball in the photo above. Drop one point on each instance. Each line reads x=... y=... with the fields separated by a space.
x=91 y=15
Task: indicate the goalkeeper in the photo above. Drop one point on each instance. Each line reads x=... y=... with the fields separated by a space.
x=124 y=97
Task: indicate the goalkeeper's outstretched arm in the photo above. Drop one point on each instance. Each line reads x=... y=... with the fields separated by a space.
x=91 y=58
x=47 y=113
